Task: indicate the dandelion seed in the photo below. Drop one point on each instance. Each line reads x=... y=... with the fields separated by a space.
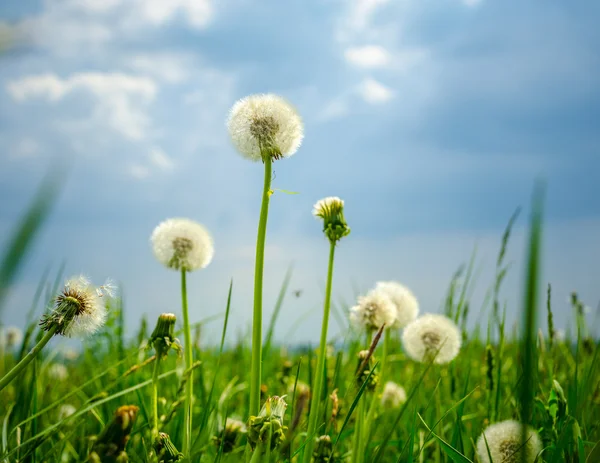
x=407 y=307
x=58 y=372
x=182 y=244
x=331 y=210
x=265 y=125
x=505 y=444
x=373 y=310
x=432 y=335
x=393 y=395
x=78 y=311
x=109 y=288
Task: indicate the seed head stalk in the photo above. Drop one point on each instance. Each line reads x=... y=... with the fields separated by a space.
x=319 y=376
x=155 y=396
x=255 y=373
x=187 y=430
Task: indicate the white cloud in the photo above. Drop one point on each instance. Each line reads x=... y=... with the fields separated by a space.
x=170 y=67
x=368 y=56
x=160 y=159
x=120 y=99
x=358 y=17
x=374 y=92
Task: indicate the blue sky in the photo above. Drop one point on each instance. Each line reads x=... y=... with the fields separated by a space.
x=432 y=119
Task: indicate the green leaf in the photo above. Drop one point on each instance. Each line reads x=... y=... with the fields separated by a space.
x=450 y=451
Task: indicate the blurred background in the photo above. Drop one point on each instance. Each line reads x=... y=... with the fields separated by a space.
x=431 y=119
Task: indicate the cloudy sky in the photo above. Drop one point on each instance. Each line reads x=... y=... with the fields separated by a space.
x=432 y=119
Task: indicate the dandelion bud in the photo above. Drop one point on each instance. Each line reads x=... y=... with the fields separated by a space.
x=110 y=445
x=323 y=452
x=166 y=451
x=373 y=311
x=393 y=395
x=230 y=435
x=269 y=422
x=432 y=337
x=331 y=210
x=79 y=309
x=182 y=244
x=505 y=444
x=163 y=337
x=405 y=302
x=263 y=126
x=363 y=370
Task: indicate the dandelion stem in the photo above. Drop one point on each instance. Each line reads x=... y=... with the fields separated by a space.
x=255 y=374
x=384 y=355
x=187 y=430
x=155 y=396
x=319 y=375
x=19 y=367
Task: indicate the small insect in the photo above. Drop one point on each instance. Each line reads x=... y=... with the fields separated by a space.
x=298 y=293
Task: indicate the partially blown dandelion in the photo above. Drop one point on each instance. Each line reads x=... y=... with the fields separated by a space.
x=373 y=311
x=182 y=244
x=432 y=335
x=265 y=126
x=505 y=443
x=407 y=307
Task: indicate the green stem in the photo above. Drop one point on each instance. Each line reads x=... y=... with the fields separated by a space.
x=155 y=396
x=319 y=375
x=384 y=356
x=255 y=373
x=19 y=367
x=187 y=430
x=358 y=431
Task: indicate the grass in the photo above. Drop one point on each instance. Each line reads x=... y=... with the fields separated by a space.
x=548 y=382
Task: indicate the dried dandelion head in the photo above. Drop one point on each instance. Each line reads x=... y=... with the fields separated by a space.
x=265 y=125
x=182 y=244
x=407 y=307
x=432 y=337
x=79 y=309
x=505 y=444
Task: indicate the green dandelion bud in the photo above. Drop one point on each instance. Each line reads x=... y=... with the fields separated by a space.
x=268 y=425
x=331 y=210
x=110 y=445
x=163 y=336
x=361 y=376
x=166 y=452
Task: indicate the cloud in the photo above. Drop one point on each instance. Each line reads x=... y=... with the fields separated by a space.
x=120 y=99
x=161 y=160
x=374 y=92
x=173 y=68
x=368 y=56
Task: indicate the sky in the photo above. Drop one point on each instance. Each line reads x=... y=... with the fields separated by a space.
x=431 y=119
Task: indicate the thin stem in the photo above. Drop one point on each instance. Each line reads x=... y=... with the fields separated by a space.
x=187 y=430
x=384 y=355
x=319 y=375
x=155 y=395
x=19 y=367
x=255 y=373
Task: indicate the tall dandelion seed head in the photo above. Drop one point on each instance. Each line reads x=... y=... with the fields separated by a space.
x=432 y=335
x=265 y=125
x=373 y=310
x=79 y=310
x=407 y=307
x=505 y=444
x=331 y=210
x=182 y=244
x=393 y=395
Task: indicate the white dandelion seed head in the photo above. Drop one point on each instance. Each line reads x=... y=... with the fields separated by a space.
x=393 y=395
x=429 y=335
x=505 y=444
x=58 y=372
x=407 y=306
x=65 y=411
x=265 y=124
x=10 y=336
x=373 y=310
x=182 y=244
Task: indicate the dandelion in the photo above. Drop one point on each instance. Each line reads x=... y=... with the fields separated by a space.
x=65 y=411
x=79 y=310
x=58 y=372
x=182 y=244
x=393 y=395
x=432 y=335
x=229 y=436
x=263 y=126
x=266 y=431
x=505 y=443
x=331 y=210
x=407 y=307
x=267 y=128
x=110 y=445
x=10 y=337
x=373 y=311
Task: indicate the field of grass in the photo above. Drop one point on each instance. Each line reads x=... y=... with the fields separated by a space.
x=115 y=402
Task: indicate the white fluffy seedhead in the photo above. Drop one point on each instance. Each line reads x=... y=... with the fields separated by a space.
x=373 y=310
x=393 y=395
x=505 y=444
x=182 y=244
x=407 y=307
x=432 y=335
x=265 y=125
